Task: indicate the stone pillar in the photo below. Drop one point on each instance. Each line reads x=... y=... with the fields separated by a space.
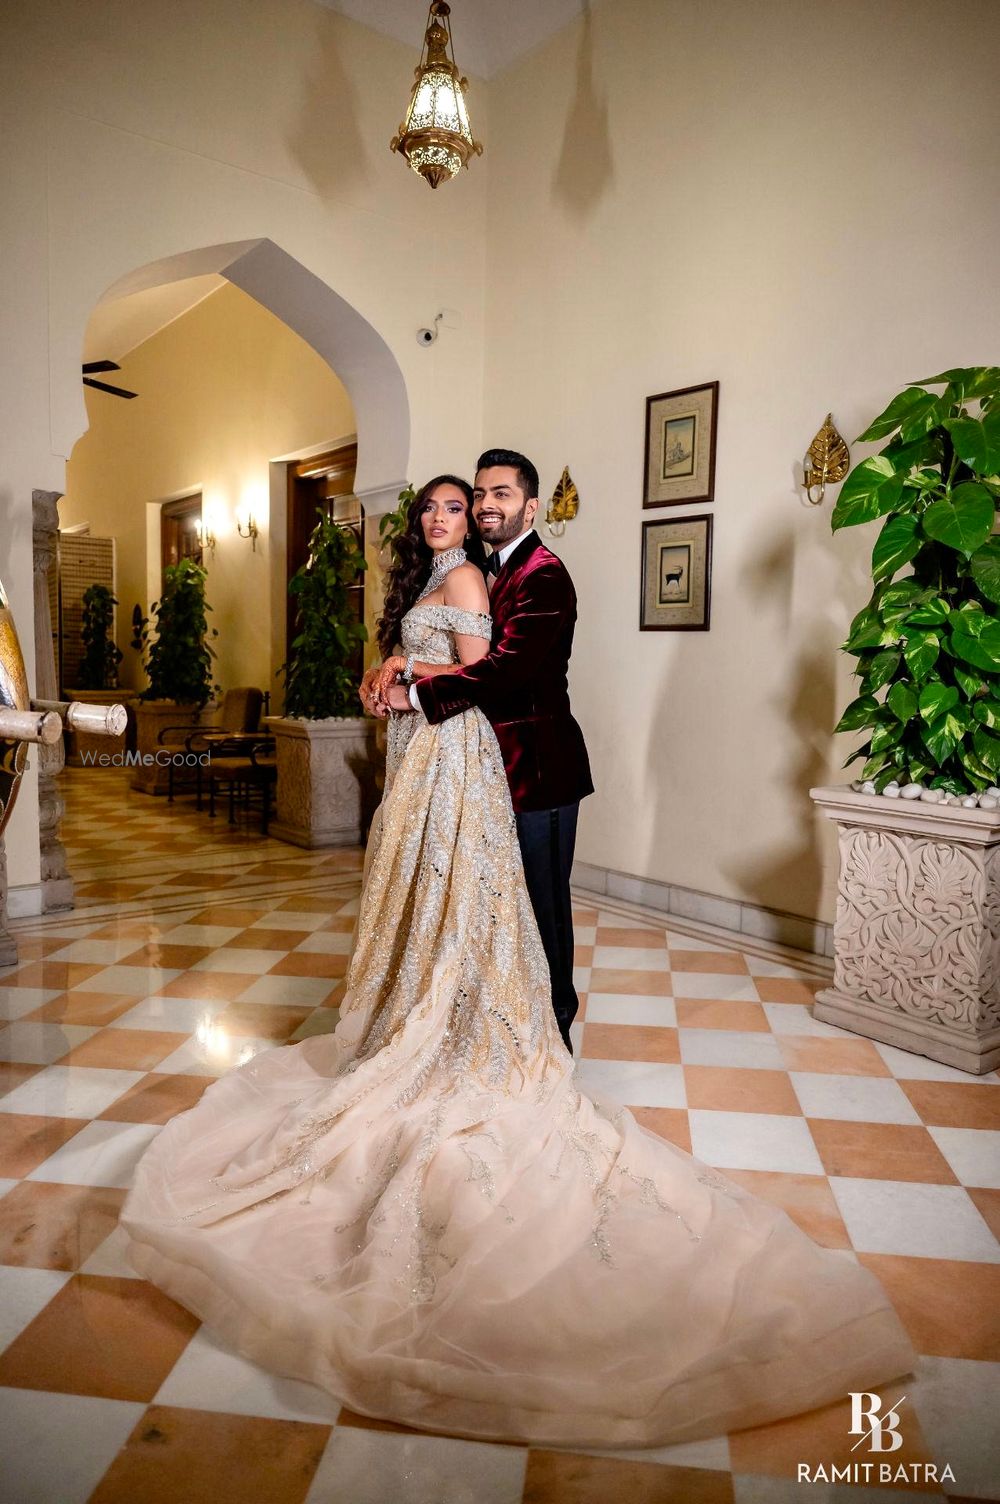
x=917 y=933
x=57 y=885
x=8 y=946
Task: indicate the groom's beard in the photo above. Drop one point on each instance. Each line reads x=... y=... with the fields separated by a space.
x=511 y=527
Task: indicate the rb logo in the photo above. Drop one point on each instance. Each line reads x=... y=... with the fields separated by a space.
x=882 y=1430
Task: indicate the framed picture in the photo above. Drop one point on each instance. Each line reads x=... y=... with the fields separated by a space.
x=680 y=446
x=676 y=575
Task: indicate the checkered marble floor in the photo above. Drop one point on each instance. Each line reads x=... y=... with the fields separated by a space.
x=194 y=944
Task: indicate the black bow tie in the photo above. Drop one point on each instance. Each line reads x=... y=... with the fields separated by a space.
x=493 y=563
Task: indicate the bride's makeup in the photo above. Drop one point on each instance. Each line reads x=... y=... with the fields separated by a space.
x=444 y=519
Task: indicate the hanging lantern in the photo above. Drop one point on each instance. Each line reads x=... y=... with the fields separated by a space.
x=435 y=138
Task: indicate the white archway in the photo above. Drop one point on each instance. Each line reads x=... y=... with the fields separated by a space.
x=349 y=344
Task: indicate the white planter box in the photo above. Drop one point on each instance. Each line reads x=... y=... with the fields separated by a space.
x=917 y=933
x=327 y=789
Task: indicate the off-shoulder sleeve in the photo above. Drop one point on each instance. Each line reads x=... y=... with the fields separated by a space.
x=456 y=619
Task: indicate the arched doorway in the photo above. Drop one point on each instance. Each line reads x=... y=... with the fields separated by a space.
x=342 y=338
x=345 y=339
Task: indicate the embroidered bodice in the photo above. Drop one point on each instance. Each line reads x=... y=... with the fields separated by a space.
x=428 y=632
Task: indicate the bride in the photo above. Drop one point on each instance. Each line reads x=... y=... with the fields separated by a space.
x=425 y=1215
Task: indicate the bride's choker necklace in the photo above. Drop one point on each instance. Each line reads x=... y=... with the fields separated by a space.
x=443 y=564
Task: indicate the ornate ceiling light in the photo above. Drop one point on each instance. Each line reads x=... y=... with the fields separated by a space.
x=435 y=138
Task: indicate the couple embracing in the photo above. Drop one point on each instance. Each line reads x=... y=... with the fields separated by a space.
x=506 y=652
x=422 y=1211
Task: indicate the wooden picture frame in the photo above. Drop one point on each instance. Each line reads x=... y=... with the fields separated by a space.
x=676 y=574
x=679 y=463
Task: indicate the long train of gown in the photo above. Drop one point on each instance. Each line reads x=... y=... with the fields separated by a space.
x=425 y=1215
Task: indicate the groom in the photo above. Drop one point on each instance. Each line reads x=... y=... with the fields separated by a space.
x=520 y=686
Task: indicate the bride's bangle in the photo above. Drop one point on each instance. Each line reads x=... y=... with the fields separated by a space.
x=407 y=674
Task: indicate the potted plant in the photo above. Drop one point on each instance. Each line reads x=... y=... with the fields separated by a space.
x=393 y=523
x=97 y=675
x=178 y=666
x=917 y=933
x=326 y=772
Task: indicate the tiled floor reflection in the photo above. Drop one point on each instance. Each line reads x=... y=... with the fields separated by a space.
x=195 y=945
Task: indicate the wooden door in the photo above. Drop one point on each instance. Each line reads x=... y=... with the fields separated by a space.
x=326 y=481
x=180 y=532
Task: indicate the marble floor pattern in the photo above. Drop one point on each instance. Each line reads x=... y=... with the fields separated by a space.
x=194 y=944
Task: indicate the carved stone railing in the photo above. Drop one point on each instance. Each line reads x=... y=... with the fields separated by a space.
x=57 y=885
x=23 y=722
x=917 y=933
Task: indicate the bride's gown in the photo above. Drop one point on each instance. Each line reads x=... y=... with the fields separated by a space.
x=424 y=1214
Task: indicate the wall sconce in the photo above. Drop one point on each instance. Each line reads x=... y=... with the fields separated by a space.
x=206 y=538
x=251 y=529
x=564 y=505
x=827 y=460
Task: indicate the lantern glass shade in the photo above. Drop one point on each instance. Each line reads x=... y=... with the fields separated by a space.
x=438 y=104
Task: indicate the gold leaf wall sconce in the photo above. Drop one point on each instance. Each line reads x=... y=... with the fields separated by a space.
x=563 y=506
x=827 y=461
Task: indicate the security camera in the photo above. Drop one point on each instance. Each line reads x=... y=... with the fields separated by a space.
x=426 y=336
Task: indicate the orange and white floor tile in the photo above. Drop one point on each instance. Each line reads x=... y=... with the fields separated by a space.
x=195 y=944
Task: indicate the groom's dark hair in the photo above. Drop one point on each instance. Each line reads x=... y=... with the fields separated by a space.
x=527 y=475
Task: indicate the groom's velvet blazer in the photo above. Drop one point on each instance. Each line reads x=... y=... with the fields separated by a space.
x=520 y=685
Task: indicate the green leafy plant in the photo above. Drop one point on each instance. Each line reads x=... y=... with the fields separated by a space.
x=320 y=678
x=99 y=664
x=393 y=523
x=179 y=664
x=928 y=642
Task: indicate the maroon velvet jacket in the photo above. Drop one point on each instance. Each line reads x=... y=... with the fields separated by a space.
x=520 y=685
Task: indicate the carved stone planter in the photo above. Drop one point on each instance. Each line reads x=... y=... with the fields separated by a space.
x=152 y=717
x=917 y=933
x=83 y=748
x=326 y=780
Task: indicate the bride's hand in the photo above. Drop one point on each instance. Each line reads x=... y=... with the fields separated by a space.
x=387 y=676
x=366 y=690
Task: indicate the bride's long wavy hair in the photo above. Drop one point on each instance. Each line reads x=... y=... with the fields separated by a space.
x=412 y=559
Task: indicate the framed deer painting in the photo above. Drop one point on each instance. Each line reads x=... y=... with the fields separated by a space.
x=676 y=575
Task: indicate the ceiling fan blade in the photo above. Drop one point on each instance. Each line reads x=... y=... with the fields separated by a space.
x=100 y=365
x=102 y=386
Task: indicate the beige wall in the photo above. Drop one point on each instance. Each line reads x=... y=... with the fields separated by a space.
x=801 y=202
x=223 y=390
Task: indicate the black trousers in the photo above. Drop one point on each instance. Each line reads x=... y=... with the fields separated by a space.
x=547 y=839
